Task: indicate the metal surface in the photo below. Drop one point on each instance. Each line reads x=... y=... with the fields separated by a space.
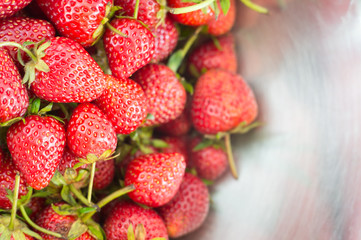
x=300 y=174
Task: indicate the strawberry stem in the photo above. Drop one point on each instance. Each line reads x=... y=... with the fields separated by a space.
x=232 y=165
x=190 y=8
x=254 y=6
x=136 y=9
x=91 y=182
x=15 y=202
x=80 y=196
x=14 y=44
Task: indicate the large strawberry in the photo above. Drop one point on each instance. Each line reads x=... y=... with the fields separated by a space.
x=10 y=7
x=223 y=23
x=124 y=103
x=89 y=131
x=221 y=101
x=125 y=213
x=104 y=174
x=13 y=95
x=165 y=94
x=36 y=146
x=128 y=54
x=188 y=209
x=177 y=127
x=156 y=177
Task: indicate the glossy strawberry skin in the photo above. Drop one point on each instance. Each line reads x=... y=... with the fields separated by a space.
x=89 y=131
x=188 y=209
x=14 y=98
x=195 y=18
x=156 y=177
x=223 y=23
x=10 y=7
x=124 y=103
x=75 y=19
x=128 y=54
x=166 y=38
x=73 y=77
x=36 y=147
x=8 y=172
x=208 y=56
x=177 y=127
x=104 y=174
x=165 y=94
x=125 y=213
x=221 y=101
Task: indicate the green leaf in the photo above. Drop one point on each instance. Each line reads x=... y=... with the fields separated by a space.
x=106 y=154
x=6 y=234
x=92 y=158
x=203 y=144
x=58 y=179
x=95 y=230
x=225 y=5
x=86 y=210
x=67 y=196
x=18 y=235
x=43 y=47
x=35 y=106
x=11 y=122
x=175 y=60
x=78 y=165
x=216 y=43
x=57 y=118
x=10 y=195
x=207 y=182
x=188 y=87
x=42 y=193
x=42 y=66
x=46 y=109
x=77 y=229
x=27 y=231
x=194 y=71
x=130 y=234
x=65 y=210
x=158 y=143
x=24 y=199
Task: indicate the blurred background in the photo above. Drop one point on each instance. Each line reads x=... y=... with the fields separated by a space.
x=300 y=174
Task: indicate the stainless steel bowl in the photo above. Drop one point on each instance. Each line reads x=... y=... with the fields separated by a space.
x=300 y=174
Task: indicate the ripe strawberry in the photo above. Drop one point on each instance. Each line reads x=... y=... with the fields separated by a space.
x=208 y=56
x=89 y=131
x=124 y=103
x=36 y=205
x=210 y=162
x=223 y=23
x=36 y=147
x=195 y=18
x=156 y=177
x=104 y=174
x=73 y=77
x=23 y=29
x=10 y=7
x=166 y=38
x=147 y=11
x=128 y=54
x=76 y=19
x=176 y=145
x=221 y=101
x=188 y=209
x=68 y=161
x=14 y=98
x=8 y=172
x=177 y=127
x=125 y=213
x=165 y=94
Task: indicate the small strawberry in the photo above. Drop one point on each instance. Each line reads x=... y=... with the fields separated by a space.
x=128 y=54
x=224 y=23
x=124 y=103
x=156 y=177
x=208 y=56
x=188 y=209
x=36 y=146
x=125 y=213
x=177 y=127
x=10 y=7
x=104 y=174
x=89 y=131
x=176 y=145
x=221 y=101
x=14 y=98
x=165 y=94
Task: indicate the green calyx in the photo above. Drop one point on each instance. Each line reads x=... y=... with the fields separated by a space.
x=18 y=232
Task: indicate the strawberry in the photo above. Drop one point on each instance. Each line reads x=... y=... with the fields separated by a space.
x=36 y=146
x=79 y=20
x=165 y=94
x=10 y=7
x=73 y=75
x=166 y=38
x=125 y=213
x=8 y=172
x=194 y=18
x=104 y=174
x=224 y=23
x=35 y=205
x=221 y=101
x=188 y=209
x=208 y=56
x=124 y=103
x=176 y=145
x=14 y=98
x=68 y=161
x=210 y=162
x=177 y=127
x=128 y=54
x=89 y=131
x=156 y=177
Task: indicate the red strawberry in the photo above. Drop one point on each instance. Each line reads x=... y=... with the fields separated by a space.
x=176 y=145
x=221 y=101
x=188 y=209
x=166 y=38
x=36 y=147
x=89 y=131
x=123 y=165
x=23 y=29
x=223 y=23
x=14 y=98
x=128 y=54
x=104 y=174
x=147 y=11
x=125 y=213
x=156 y=177
x=208 y=56
x=36 y=205
x=195 y=18
x=10 y=7
x=165 y=94
x=73 y=77
x=124 y=103
x=68 y=161
x=76 y=19
x=8 y=172
x=177 y=127
x=210 y=162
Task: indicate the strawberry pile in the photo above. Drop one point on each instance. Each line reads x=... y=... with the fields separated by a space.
x=116 y=115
